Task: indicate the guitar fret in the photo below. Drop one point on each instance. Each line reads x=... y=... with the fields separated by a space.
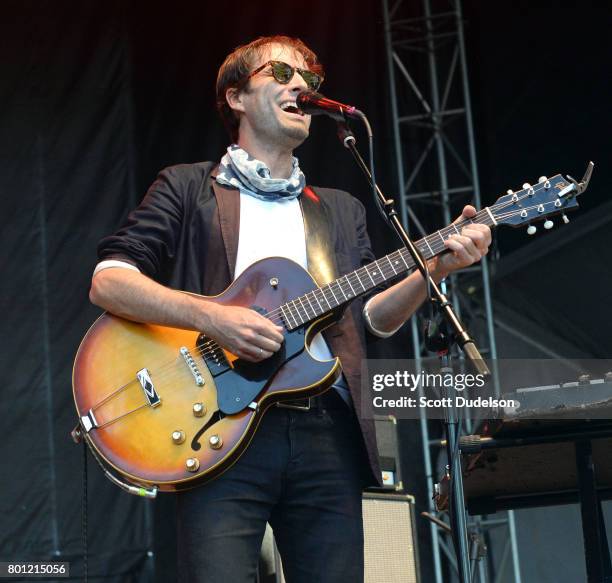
x=340 y=286
x=323 y=291
x=396 y=263
x=386 y=275
x=305 y=309
x=314 y=293
x=295 y=313
x=329 y=287
x=402 y=258
x=325 y=298
x=286 y=318
x=430 y=249
x=349 y=282
x=356 y=272
x=368 y=272
x=391 y=264
x=382 y=273
x=292 y=312
x=298 y=312
x=423 y=250
x=441 y=237
x=456 y=230
x=311 y=306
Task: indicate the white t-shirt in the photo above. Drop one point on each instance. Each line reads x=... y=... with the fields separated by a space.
x=274 y=229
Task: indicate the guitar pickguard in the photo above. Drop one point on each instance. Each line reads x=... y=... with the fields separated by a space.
x=239 y=385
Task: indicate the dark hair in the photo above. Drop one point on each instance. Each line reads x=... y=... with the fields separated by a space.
x=240 y=62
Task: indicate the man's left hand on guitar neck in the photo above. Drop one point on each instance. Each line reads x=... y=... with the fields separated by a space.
x=389 y=309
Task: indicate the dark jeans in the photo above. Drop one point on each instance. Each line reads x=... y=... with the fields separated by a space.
x=303 y=473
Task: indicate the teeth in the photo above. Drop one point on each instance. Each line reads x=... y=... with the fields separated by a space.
x=285 y=105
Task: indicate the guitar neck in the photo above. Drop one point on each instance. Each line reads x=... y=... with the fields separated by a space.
x=339 y=292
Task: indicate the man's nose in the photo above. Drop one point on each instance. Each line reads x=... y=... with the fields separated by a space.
x=297 y=83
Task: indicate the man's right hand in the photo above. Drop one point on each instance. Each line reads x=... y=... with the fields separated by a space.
x=242 y=331
x=132 y=295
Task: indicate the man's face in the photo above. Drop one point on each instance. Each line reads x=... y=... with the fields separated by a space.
x=263 y=117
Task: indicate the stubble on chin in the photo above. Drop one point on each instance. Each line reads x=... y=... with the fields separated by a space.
x=295 y=136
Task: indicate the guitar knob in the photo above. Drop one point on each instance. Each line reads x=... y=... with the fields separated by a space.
x=548 y=224
x=192 y=464
x=178 y=437
x=215 y=441
x=565 y=219
x=199 y=410
x=531 y=229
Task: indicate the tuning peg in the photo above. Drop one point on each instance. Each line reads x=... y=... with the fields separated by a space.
x=509 y=191
x=529 y=188
x=544 y=180
x=531 y=229
x=565 y=219
x=548 y=224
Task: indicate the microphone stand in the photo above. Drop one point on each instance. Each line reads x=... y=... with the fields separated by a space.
x=459 y=334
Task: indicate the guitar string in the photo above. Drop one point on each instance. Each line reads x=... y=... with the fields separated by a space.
x=277 y=316
x=356 y=278
x=210 y=347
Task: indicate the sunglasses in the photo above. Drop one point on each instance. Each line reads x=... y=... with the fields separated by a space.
x=283 y=73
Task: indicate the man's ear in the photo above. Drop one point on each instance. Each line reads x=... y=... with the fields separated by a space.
x=234 y=99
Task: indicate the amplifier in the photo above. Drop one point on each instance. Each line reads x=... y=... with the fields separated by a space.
x=390 y=538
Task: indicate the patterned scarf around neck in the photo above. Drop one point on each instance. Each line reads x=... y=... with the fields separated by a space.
x=251 y=176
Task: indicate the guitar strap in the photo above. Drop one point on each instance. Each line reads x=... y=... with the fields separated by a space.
x=318 y=230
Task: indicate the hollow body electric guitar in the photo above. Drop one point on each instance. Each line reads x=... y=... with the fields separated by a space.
x=169 y=409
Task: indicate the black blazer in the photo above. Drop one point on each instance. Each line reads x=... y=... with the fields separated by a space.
x=184 y=235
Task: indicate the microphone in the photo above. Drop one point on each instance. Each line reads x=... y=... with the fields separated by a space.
x=314 y=103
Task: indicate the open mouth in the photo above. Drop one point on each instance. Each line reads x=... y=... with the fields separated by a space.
x=291 y=107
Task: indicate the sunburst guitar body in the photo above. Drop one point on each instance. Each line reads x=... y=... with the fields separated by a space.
x=169 y=408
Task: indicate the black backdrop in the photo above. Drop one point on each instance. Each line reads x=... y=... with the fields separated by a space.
x=96 y=97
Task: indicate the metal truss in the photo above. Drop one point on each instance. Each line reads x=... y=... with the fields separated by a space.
x=437 y=174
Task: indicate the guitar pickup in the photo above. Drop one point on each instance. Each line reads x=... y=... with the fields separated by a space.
x=144 y=378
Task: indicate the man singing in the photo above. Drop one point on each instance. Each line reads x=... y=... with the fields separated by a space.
x=199 y=226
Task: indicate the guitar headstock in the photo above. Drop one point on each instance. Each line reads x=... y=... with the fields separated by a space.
x=549 y=197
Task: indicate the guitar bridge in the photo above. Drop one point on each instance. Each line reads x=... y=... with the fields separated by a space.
x=193 y=367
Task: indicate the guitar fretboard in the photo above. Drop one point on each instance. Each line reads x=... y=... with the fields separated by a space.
x=324 y=299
